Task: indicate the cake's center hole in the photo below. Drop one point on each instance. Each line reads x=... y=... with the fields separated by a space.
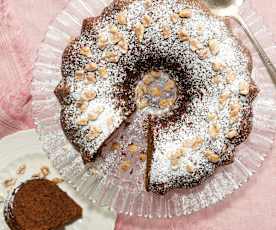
x=156 y=92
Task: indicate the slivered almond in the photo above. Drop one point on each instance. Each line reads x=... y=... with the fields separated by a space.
x=174 y=18
x=139 y=30
x=231 y=134
x=86 y=51
x=214 y=46
x=244 y=87
x=146 y=21
x=214 y=130
x=122 y=19
x=91 y=66
x=185 y=13
x=211 y=156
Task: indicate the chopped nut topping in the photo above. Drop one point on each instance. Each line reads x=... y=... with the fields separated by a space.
x=132 y=148
x=142 y=103
x=224 y=97
x=143 y=157
x=91 y=78
x=86 y=51
x=103 y=72
x=82 y=105
x=148 y=3
x=216 y=79
x=122 y=19
x=82 y=121
x=190 y=168
x=146 y=21
x=57 y=180
x=244 y=88
x=148 y=78
x=125 y=165
x=166 y=32
x=211 y=156
x=195 y=44
x=174 y=163
x=9 y=182
x=203 y=53
x=234 y=111
x=169 y=85
x=88 y=95
x=197 y=142
x=102 y=42
x=94 y=132
x=139 y=30
x=141 y=90
x=111 y=56
x=186 y=13
x=165 y=103
x=91 y=66
x=92 y=116
x=155 y=91
x=174 y=18
x=214 y=130
x=21 y=169
x=218 y=66
x=109 y=122
x=231 y=134
x=115 y=146
x=79 y=74
x=212 y=117
x=183 y=35
x=44 y=171
x=123 y=44
x=230 y=77
x=113 y=29
x=155 y=73
x=116 y=37
x=213 y=46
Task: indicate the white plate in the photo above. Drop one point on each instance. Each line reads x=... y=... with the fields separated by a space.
x=25 y=148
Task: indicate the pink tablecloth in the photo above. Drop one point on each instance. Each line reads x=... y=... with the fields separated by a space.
x=23 y=24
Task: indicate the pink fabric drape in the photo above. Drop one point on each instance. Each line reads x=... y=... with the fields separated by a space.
x=23 y=24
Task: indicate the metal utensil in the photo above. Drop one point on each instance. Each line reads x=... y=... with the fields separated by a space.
x=229 y=8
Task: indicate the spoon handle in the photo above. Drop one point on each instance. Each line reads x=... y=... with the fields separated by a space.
x=265 y=59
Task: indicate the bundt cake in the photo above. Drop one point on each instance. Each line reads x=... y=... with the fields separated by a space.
x=204 y=109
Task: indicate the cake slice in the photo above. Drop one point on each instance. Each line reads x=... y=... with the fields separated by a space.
x=39 y=204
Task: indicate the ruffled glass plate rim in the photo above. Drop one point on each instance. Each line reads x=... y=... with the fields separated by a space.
x=109 y=191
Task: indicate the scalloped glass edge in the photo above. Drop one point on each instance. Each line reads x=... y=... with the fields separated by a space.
x=109 y=191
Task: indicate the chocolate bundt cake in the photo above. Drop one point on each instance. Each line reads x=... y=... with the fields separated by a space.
x=39 y=204
x=206 y=106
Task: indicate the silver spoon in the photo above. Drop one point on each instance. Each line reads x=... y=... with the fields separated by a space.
x=229 y=8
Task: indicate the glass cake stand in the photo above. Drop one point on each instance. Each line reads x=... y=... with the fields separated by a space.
x=124 y=192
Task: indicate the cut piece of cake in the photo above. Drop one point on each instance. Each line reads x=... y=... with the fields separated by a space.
x=39 y=204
